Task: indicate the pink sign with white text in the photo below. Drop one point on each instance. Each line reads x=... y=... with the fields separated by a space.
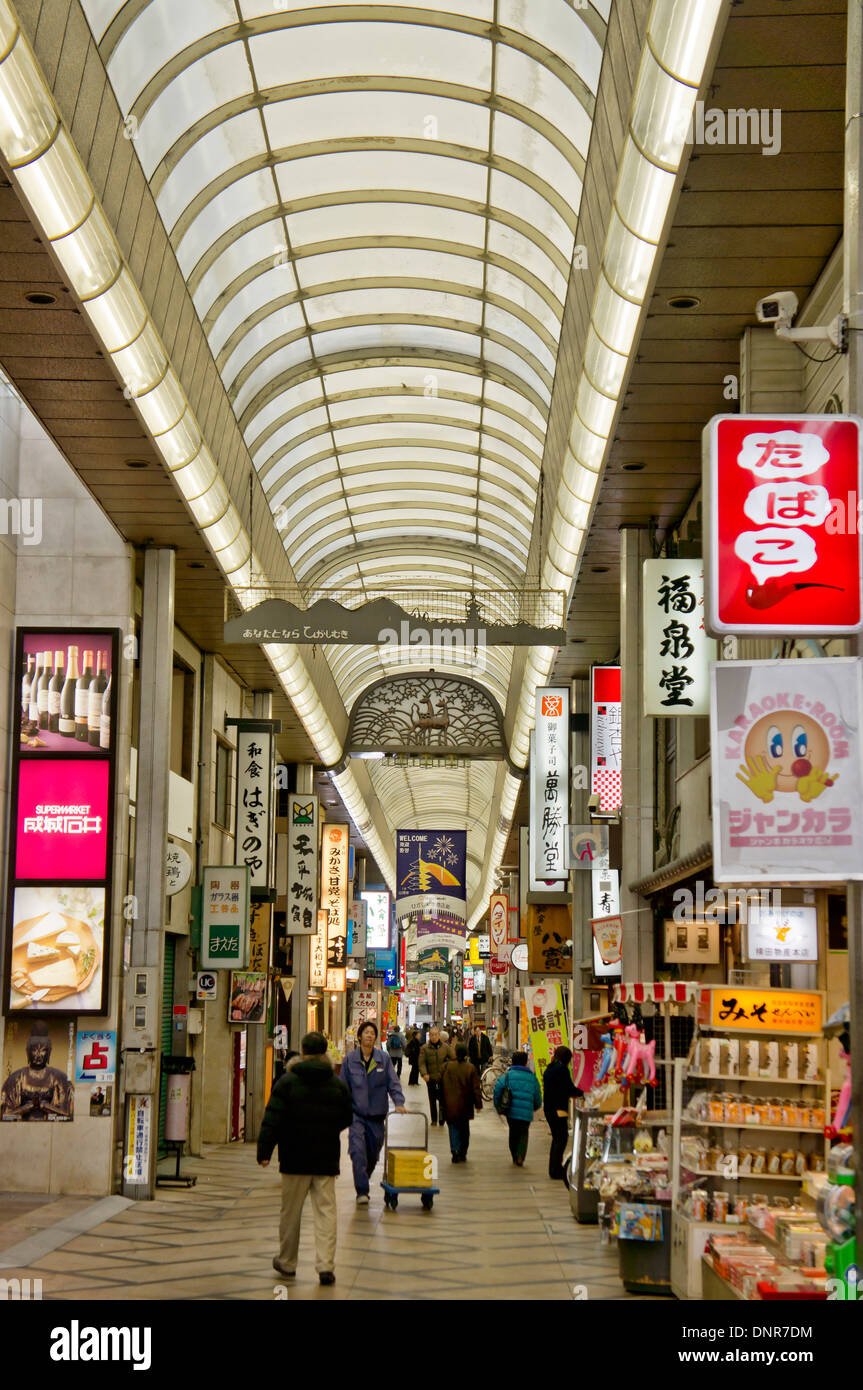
x=62 y=826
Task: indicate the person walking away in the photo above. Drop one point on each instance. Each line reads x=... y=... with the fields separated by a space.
x=558 y=1090
x=370 y=1077
x=526 y=1099
x=412 y=1052
x=396 y=1049
x=462 y=1097
x=479 y=1048
x=305 y=1115
x=433 y=1058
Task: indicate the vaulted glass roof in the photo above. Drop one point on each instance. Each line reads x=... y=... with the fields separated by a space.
x=374 y=207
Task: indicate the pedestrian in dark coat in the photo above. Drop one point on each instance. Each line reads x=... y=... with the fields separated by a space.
x=306 y=1113
x=462 y=1096
x=412 y=1052
x=558 y=1090
x=479 y=1048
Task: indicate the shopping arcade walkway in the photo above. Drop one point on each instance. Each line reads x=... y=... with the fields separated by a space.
x=496 y=1232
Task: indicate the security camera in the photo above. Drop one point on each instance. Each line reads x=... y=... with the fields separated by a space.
x=779 y=308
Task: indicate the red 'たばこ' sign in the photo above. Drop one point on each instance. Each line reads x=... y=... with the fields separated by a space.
x=784 y=551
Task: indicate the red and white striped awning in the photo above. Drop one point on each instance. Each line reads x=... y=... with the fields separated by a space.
x=657 y=992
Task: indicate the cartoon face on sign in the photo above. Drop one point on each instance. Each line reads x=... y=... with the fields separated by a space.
x=786 y=751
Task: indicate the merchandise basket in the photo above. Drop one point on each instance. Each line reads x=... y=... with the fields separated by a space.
x=406 y=1159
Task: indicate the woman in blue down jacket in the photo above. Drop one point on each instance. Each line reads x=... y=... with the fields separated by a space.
x=526 y=1100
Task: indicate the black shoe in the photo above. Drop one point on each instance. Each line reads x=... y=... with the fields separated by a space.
x=288 y=1273
x=327 y=1277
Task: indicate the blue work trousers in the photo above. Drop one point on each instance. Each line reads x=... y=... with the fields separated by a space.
x=365 y=1141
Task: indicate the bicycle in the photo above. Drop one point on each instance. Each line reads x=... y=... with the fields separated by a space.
x=490 y=1077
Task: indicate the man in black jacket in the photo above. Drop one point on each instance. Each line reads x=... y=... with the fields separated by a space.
x=307 y=1111
x=479 y=1049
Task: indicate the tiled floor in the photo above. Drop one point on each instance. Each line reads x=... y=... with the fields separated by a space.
x=495 y=1232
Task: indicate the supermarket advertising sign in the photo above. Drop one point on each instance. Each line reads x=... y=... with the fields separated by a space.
x=784 y=546
x=786 y=770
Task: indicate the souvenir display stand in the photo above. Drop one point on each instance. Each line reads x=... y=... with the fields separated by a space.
x=750 y=1105
x=631 y=1177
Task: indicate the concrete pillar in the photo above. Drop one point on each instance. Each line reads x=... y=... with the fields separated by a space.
x=638 y=776
x=256 y=1033
x=300 y=994
x=147 y=952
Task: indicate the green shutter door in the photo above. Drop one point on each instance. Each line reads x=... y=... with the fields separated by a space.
x=167 y=1030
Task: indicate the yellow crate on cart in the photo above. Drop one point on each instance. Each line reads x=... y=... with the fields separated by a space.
x=408 y=1168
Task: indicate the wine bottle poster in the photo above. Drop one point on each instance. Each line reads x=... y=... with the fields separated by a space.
x=65 y=678
x=61 y=834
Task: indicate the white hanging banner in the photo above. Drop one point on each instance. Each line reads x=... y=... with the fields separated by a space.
x=301 y=918
x=606 y=725
x=677 y=650
x=359 y=918
x=605 y=893
x=550 y=783
x=254 y=824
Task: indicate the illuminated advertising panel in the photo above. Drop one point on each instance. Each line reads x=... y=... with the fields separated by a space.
x=378 y=920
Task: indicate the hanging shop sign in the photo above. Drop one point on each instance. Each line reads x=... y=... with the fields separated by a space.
x=303 y=867
x=677 y=650
x=782 y=934
x=430 y=870
x=523 y=876
x=365 y=1006
x=693 y=942
x=535 y=884
x=498 y=919
x=206 y=985
x=784 y=548
x=433 y=965
x=550 y=776
x=61 y=824
x=606 y=725
x=378 y=917
x=39 y=1071
x=546 y=1024
x=178 y=869
x=318 y=954
x=498 y=966
x=225 y=917
x=457 y=983
x=467 y=985
x=520 y=957
x=441 y=931
x=761 y=1010
x=334 y=901
x=605 y=897
x=254 y=837
x=260 y=930
x=608 y=938
x=786 y=770
x=247 y=996
x=359 y=919
x=588 y=847
x=549 y=930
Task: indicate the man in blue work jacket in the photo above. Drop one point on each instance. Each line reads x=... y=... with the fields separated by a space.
x=371 y=1079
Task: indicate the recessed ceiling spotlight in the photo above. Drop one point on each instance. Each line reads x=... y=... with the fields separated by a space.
x=683 y=301
x=575 y=641
x=137 y=463
x=40 y=297
x=632 y=467
x=599 y=569
x=197 y=565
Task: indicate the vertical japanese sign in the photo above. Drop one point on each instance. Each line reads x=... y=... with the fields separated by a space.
x=549 y=928
x=523 y=876
x=359 y=917
x=605 y=894
x=784 y=544
x=467 y=983
x=457 y=973
x=677 y=650
x=260 y=926
x=334 y=901
x=537 y=883
x=787 y=782
x=546 y=1022
x=254 y=835
x=302 y=885
x=225 y=918
x=318 y=954
x=606 y=716
x=430 y=871
x=377 y=904
x=498 y=920
x=137 y=1161
x=61 y=822
x=550 y=773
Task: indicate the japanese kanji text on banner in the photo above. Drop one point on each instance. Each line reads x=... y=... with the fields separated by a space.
x=254 y=839
x=302 y=885
x=786 y=769
x=784 y=543
x=430 y=868
x=677 y=650
x=605 y=739
x=334 y=901
x=550 y=773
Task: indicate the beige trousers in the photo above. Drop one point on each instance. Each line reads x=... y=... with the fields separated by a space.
x=295 y=1188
